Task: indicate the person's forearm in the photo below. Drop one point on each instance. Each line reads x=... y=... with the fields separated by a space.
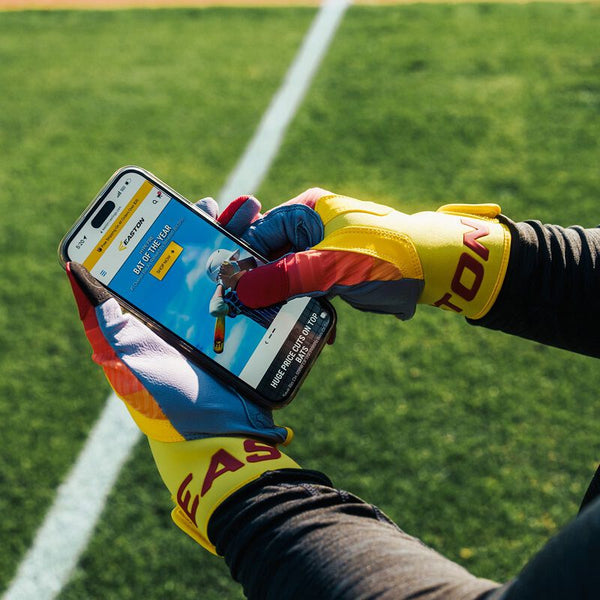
x=291 y=535
x=552 y=287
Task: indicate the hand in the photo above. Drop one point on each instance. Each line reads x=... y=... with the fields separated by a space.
x=170 y=398
x=374 y=257
x=207 y=440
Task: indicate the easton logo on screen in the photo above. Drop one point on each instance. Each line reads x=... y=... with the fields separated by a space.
x=123 y=244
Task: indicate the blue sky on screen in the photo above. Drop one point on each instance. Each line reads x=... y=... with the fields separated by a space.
x=180 y=301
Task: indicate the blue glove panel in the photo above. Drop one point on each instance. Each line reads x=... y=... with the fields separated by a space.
x=196 y=404
x=294 y=224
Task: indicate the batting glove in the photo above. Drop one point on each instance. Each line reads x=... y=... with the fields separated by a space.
x=206 y=439
x=372 y=256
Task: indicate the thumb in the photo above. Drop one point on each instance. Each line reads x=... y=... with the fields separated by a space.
x=89 y=295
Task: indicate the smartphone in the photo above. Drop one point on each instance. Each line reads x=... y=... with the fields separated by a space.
x=162 y=257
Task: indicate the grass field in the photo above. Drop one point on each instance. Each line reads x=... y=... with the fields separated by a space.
x=479 y=443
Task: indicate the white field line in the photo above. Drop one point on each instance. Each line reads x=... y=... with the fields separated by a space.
x=69 y=523
x=80 y=499
x=263 y=147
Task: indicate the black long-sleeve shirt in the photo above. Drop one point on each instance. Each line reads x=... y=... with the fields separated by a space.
x=551 y=292
x=290 y=534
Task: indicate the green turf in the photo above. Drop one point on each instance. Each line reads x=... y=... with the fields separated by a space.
x=477 y=442
x=83 y=93
x=474 y=440
x=471 y=439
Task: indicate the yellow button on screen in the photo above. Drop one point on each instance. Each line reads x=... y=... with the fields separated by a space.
x=166 y=260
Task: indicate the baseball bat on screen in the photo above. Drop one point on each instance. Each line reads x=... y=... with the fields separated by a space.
x=219 y=341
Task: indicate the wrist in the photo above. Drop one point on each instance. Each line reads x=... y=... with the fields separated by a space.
x=201 y=474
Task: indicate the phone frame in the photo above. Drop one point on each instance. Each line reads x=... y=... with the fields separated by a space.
x=189 y=351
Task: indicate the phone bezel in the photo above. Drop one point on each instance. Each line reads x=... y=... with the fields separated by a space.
x=192 y=353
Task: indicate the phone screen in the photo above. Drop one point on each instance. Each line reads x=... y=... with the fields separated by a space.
x=157 y=253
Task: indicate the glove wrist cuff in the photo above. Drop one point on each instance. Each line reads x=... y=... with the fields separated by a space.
x=201 y=474
x=464 y=258
x=460 y=252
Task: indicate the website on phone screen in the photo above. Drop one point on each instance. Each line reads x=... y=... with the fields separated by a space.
x=162 y=257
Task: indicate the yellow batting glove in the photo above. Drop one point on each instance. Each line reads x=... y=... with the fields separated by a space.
x=459 y=253
x=207 y=440
x=374 y=257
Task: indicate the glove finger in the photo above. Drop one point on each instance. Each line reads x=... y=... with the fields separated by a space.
x=124 y=333
x=92 y=297
x=89 y=294
x=291 y=226
x=128 y=336
x=332 y=335
x=98 y=308
x=118 y=339
x=209 y=206
x=294 y=227
x=287 y=231
x=240 y=214
x=309 y=273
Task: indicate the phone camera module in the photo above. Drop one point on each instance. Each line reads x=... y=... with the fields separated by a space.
x=103 y=214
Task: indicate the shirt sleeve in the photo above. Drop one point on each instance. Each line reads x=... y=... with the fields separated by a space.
x=291 y=535
x=551 y=290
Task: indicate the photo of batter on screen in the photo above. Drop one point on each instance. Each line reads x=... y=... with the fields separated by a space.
x=225 y=268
